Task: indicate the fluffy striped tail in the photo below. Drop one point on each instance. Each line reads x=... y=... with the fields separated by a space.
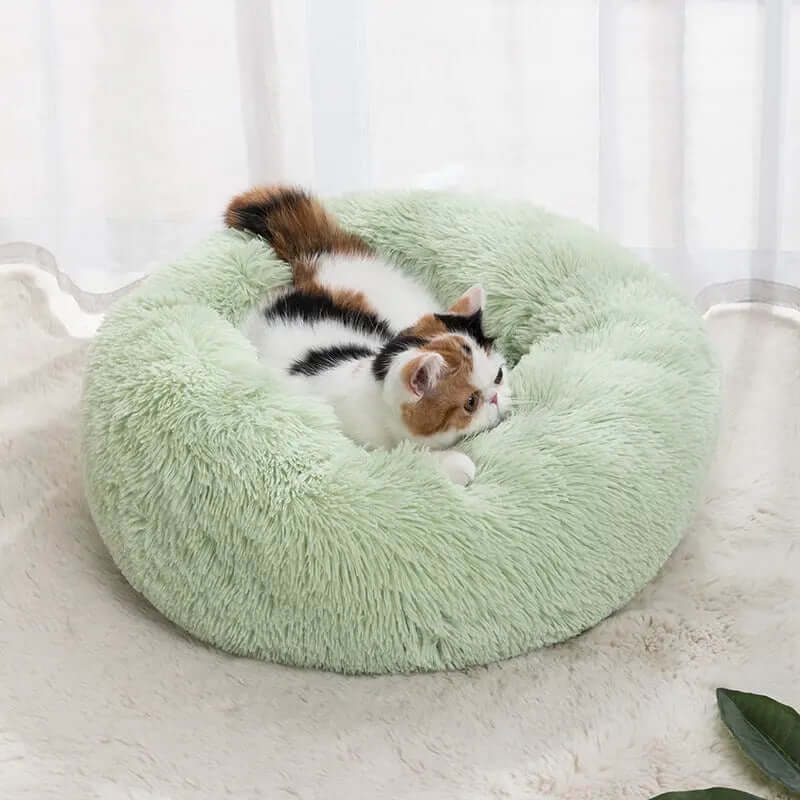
x=293 y=222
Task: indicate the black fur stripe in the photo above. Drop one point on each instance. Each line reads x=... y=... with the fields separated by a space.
x=324 y=358
x=313 y=308
x=472 y=326
x=382 y=362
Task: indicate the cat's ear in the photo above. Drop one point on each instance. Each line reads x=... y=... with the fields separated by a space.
x=423 y=373
x=470 y=302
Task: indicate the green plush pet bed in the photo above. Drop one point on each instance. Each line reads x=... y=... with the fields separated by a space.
x=249 y=520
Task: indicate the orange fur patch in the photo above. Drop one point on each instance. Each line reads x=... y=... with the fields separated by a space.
x=299 y=229
x=294 y=223
x=427 y=327
x=443 y=408
x=351 y=299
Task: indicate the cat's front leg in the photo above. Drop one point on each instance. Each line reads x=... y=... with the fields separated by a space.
x=458 y=467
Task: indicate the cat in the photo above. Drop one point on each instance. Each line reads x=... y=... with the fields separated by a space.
x=368 y=338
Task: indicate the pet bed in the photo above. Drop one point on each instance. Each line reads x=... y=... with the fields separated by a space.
x=246 y=517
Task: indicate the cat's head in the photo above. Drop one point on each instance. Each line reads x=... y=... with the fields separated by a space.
x=443 y=378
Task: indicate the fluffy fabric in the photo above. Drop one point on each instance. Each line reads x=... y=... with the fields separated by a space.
x=103 y=698
x=250 y=521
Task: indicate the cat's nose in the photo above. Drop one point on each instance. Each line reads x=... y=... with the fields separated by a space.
x=494 y=398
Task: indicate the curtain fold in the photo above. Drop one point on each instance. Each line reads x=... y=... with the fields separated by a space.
x=672 y=125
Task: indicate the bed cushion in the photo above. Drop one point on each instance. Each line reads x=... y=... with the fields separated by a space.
x=247 y=518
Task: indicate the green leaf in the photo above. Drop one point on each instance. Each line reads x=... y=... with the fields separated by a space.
x=767 y=731
x=716 y=793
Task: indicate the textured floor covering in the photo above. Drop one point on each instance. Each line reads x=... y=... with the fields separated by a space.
x=102 y=698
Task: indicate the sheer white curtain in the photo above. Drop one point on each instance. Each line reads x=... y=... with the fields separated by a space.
x=673 y=125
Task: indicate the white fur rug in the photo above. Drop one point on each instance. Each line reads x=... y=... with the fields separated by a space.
x=100 y=697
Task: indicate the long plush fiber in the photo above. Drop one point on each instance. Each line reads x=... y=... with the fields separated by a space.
x=246 y=517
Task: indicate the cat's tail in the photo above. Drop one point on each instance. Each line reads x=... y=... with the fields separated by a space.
x=293 y=222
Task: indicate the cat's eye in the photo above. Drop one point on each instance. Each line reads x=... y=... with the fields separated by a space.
x=499 y=376
x=472 y=402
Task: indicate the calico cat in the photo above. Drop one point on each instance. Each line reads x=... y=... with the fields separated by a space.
x=368 y=338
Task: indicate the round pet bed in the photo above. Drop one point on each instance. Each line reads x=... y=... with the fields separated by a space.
x=243 y=514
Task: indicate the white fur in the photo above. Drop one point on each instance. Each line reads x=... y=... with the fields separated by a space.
x=371 y=411
x=399 y=299
x=282 y=342
x=358 y=401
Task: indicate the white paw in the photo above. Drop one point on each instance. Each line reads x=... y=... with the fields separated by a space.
x=458 y=467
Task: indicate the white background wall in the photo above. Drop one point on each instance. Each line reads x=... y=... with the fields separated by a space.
x=672 y=125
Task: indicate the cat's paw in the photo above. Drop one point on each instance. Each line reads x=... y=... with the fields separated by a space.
x=458 y=467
